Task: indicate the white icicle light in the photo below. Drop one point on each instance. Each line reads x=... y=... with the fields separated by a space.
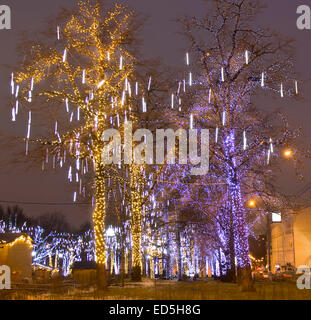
x=136 y=88
x=30 y=96
x=246 y=56
x=31 y=84
x=271 y=146
x=67 y=106
x=209 y=95
x=187 y=59
x=70 y=174
x=121 y=63
x=16 y=91
x=262 y=79
x=149 y=84
x=58 y=33
x=144 y=105
x=172 y=101
x=296 y=87
x=216 y=135
x=190 y=79
x=244 y=141
x=13 y=114
x=27 y=144
x=268 y=157
x=129 y=89
x=123 y=98
x=191 y=121
x=12 y=83
x=222 y=74
x=83 y=76
x=65 y=55
x=29 y=124
x=126 y=84
x=282 y=91
x=100 y=84
x=224 y=118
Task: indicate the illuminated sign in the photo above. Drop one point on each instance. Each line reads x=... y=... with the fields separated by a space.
x=276 y=217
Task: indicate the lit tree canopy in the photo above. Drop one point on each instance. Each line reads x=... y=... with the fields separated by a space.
x=83 y=78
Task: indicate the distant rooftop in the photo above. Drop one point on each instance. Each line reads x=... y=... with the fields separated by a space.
x=10 y=237
x=84 y=265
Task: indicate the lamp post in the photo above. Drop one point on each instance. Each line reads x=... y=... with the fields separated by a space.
x=269 y=245
x=111 y=234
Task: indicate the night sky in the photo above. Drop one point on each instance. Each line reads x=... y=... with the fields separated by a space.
x=160 y=39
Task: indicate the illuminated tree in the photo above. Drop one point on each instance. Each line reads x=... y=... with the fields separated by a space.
x=79 y=79
x=230 y=62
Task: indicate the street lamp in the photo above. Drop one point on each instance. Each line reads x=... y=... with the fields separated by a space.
x=252 y=203
x=287 y=153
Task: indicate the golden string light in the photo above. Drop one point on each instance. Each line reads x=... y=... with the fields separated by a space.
x=136 y=217
x=82 y=74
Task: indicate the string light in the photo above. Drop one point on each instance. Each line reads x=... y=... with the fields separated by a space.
x=262 y=79
x=149 y=84
x=190 y=79
x=244 y=141
x=222 y=74
x=93 y=108
x=187 y=59
x=191 y=121
x=246 y=56
x=65 y=55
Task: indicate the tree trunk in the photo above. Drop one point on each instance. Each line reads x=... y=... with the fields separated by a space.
x=239 y=223
x=230 y=254
x=245 y=279
x=99 y=226
x=179 y=255
x=136 y=218
x=168 y=266
x=101 y=277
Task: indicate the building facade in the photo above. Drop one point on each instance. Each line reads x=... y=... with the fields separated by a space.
x=16 y=252
x=291 y=240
